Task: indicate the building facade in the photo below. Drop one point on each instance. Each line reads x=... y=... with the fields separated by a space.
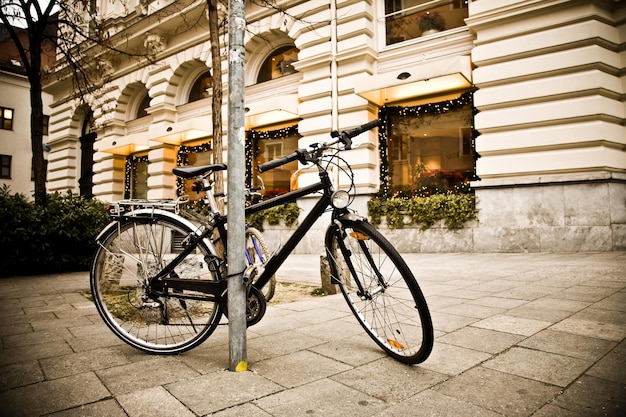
x=523 y=99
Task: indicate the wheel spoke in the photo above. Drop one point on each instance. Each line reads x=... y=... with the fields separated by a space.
x=382 y=292
x=154 y=321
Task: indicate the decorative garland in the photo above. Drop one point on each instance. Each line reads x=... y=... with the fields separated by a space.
x=130 y=171
x=384 y=115
x=252 y=138
x=181 y=161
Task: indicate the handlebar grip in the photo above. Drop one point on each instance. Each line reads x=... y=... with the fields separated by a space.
x=363 y=128
x=275 y=163
x=347 y=135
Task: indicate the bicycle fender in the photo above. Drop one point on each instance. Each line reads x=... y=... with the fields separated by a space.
x=345 y=218
x=146 y=213
x=351 y=217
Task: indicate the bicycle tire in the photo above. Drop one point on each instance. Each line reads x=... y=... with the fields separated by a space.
x=128 y=253
x=258 y=252
x=395 y=314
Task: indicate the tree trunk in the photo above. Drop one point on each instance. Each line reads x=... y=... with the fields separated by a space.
x=36 y=120
x=216 y=63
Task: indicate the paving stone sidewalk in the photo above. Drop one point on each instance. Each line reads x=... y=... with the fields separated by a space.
x=516 y=335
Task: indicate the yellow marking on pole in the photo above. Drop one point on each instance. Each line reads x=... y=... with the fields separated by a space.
x=242 y=366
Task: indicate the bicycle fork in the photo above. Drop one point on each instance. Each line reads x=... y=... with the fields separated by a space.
x=347 y=255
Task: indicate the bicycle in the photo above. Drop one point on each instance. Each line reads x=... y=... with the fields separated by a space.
x=167 y=298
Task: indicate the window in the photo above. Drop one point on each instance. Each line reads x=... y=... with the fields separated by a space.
x=5 y=166
x=6 y=118
x=136 y=181
x=87 y=140
x=264 y=146
x=192 y=155
x=410 y=19
x=201 y=87
x=278 y=64
x=46 y=123
x=143 y=105
x=430 y=152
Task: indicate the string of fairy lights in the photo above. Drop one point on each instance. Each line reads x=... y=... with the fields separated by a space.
x=182 y=159
x=385 y=114
x=252 y=140
x=130 y=172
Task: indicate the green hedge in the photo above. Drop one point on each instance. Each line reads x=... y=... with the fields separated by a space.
x=454 y=209
x=288 y=213
x=57 y=236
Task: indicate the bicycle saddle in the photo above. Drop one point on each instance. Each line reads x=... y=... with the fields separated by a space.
x=191 y=172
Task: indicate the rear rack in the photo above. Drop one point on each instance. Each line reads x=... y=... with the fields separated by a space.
x=123 y=207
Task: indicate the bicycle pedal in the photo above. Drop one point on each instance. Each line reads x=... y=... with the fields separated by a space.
x=249 y=274
x=154 y=304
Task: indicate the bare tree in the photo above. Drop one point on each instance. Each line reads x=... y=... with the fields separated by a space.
x=60 y=38
x=216 y=63
x=54 y=35
x=19 y=16
x=72 y=31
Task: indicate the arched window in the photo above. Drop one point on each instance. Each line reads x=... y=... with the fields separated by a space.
x=143 y=105
x=87 y=139
x=201 y=87
x=278 y=64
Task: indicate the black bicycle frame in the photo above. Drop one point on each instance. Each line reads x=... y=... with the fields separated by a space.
x=277 y=259
x=164 y=281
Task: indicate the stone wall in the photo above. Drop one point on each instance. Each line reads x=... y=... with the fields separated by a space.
x=561 y=217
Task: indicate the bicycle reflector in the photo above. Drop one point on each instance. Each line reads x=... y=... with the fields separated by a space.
x=340 y=199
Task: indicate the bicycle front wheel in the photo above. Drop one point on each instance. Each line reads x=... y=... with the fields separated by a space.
x=381 y=291
x=129 y=253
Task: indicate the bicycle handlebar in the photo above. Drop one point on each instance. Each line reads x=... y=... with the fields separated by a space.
x=275 y=163
x=347 y=135
x=302 y=154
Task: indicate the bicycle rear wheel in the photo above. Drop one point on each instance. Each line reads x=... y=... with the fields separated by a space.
x=129 y=253
x=258 y=253
x=381 y=291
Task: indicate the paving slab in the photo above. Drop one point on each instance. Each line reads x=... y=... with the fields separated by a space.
x=516 y=335
x=221 y=390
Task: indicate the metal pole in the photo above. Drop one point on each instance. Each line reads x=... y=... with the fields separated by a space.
x=236 y=199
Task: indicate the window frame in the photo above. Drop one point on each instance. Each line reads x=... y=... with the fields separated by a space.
x=4 y=119
x=130 y=177
x=410 y=17
x=207 y=74
x=386 y=151
x=46 y=125
x=5 y=164
x=279 y=51
x=275 y=134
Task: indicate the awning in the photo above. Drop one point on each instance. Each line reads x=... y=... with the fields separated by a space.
x=183 y=131
x=428 y=79
x=272 y=110
x=124 y=145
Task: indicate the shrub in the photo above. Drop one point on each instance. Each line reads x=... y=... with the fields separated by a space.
x=286 y=212
x=454 y=209
x=57 y=236
x=394 y=213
